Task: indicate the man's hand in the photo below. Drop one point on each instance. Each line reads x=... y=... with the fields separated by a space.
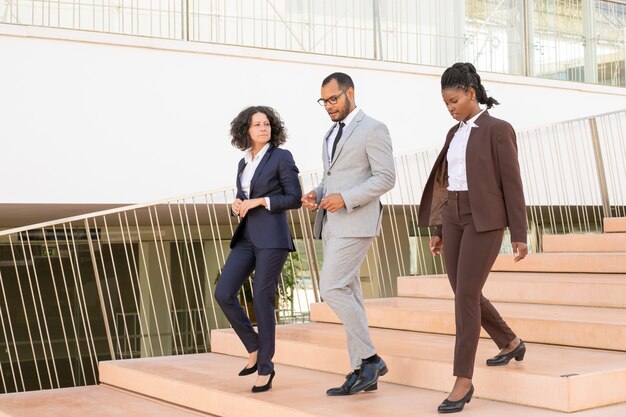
x=332 y=203
x=309 y=200
x=434 y=244
x=520 y=250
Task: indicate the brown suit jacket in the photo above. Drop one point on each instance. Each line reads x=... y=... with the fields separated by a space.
x=493 y=180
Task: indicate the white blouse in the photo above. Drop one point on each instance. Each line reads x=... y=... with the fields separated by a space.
x=457 y=169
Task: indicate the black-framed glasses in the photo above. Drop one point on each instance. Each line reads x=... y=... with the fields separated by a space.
x=331 y=100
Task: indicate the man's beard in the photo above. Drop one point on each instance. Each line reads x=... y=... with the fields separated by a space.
x=344 y=112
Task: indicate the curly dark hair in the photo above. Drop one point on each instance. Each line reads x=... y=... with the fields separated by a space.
x=240 y=125
x=463 y=75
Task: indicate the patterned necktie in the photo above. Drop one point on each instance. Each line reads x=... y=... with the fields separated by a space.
x=341 y=125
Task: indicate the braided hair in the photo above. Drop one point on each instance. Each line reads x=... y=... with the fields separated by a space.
x=463 y=75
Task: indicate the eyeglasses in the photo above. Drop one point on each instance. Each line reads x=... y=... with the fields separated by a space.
x=330 y=100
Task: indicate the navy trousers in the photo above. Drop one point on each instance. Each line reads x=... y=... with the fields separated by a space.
x=267 y=265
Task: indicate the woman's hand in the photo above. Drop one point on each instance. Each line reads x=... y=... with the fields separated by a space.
x=520 y=250
x=236 y=206
x=247 y=205
x=435 y=243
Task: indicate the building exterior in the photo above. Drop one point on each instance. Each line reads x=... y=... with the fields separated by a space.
x=115 y=102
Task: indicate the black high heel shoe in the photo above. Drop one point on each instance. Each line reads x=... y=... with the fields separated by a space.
x=517 y=353
x=448 y=406
x=265 y=387
x=248 y=371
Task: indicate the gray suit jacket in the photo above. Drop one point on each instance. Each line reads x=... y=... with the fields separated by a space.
x=361 y=171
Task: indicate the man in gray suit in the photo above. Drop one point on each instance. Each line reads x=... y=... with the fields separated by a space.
x=358 y=169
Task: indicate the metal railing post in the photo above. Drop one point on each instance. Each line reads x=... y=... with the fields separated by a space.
x=378 y=39
x=597 y=152
x=99 y=287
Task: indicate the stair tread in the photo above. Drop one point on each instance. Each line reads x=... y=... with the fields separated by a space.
x=573 y=289
x=585 y=242
x=553 y=377
x=564 y=277
x=584 y=262
x=615 y=225
x=93 y=401
x=296 y=392
x=541 y=359
x=590 y=327
x=581 y=314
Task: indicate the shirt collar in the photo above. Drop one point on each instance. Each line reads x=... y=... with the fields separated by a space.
x=349 y=117
x=248 y=155
x=470 y=122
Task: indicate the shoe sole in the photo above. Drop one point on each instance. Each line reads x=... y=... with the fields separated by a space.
x=518 y=358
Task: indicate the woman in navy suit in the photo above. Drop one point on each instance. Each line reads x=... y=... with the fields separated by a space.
x=267 y=186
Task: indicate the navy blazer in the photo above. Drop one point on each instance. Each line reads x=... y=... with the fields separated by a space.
x=275 y=177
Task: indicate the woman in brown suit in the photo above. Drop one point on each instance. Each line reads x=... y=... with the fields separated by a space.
x=474 y=191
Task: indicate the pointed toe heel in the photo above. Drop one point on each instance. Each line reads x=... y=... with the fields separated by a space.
x=248 y=371
x=265 y=387
x=447 y=406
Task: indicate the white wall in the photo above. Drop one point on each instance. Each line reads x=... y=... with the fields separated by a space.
x=86 y=120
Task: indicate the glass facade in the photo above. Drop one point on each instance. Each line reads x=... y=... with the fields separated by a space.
x=576 y=40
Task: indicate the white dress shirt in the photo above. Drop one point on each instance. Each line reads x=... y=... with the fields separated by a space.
x=457 y=168
x=248 y=172
x=331 y=138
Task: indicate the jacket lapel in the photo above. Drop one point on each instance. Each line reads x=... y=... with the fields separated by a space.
x=346 y=135
x=240 y=168
x=480 y=121
x=258 y=170
x=325 y=148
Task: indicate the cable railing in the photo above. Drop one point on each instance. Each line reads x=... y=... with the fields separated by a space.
x=138 y=281
x=574 y=174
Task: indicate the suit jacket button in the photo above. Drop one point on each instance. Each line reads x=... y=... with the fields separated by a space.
x=328 y=173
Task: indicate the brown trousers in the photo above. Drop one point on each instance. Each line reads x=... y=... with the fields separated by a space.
x=469 y=256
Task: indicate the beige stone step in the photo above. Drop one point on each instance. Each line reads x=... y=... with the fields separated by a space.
x=91 y=401
x=615 y=224
x=558 y=378
x=593 y=290
x=585 y=242
x=607 y=263
x=593 y=327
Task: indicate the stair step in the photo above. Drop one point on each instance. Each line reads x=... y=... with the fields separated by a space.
x=615 y=224
x=92 y=401
x=587 y=242
x=592 y=290
x=593 y=327
x=553 y=377
x=209 y=381
x=564 y=262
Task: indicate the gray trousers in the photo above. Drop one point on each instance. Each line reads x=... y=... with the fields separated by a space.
x=340 y=287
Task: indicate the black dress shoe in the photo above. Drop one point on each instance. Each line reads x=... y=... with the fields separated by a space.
x=448 y=406
x=346 y=388
x=368 y=375
x=517 y=353
x=265 y=387
x=248 y=371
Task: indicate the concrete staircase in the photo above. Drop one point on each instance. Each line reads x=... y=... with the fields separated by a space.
x=568 y=304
